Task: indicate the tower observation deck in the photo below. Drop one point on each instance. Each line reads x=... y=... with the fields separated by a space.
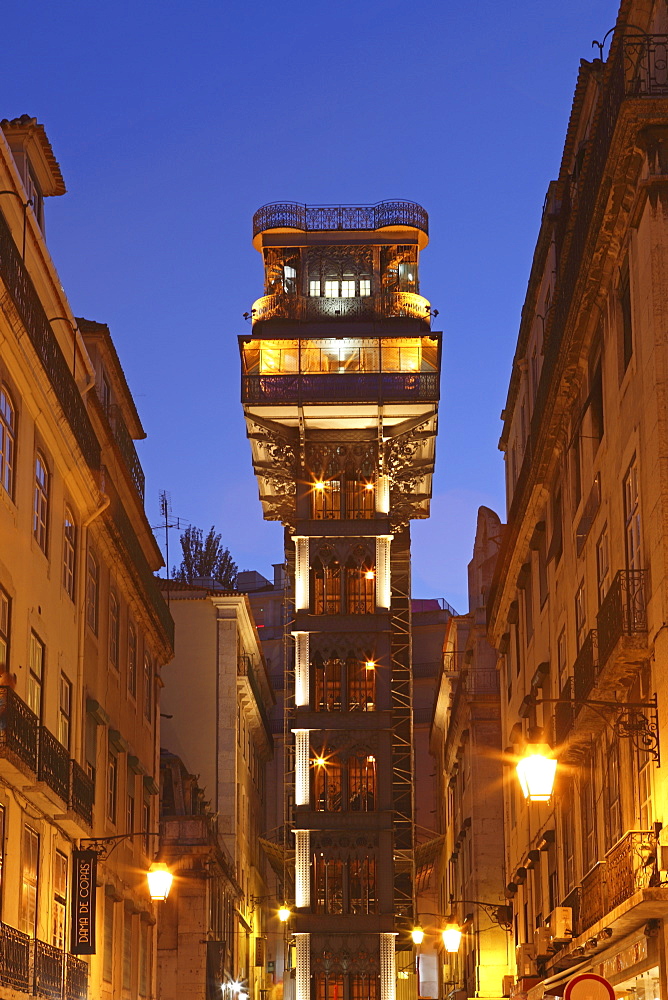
x=340 y=388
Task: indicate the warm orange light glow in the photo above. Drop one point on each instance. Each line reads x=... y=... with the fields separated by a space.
x=159 y=880
x=370 y=575
x=319 y=485
x=418 y=935
x=371 y=760
x=536 y=772
x=369 y=486
x=284 y=913
x=320 y=762
x=452 y=936
x=370 y=665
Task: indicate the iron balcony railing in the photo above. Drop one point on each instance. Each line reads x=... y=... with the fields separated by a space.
x=14 y=959
x=76 y=978
x=245 y=669
x=572 y=900
x=292 y=215
x=592 y=899
x=48 y=970
x=53 y=764
x=82 y=793
x=623 y=611
x=585 y=669
x=127 y=449
x=389 y=305
x=18 y=728
x=630 y=866
x=345 y=388
x=564 y=716
x=16 y=279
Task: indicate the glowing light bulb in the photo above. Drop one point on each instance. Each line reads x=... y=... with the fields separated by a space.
x=369 y=486
x=320 y=761
x=369 y=575
x=284 y=913
x=370 y=665
x=319 y=485
x=418 y=935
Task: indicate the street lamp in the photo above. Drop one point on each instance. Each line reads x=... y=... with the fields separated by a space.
x=417 y=934
x=159 y=880
x=536 y=771
x=452 y=937
x=284 y=913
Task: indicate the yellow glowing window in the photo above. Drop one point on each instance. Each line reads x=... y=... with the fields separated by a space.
x=332 y=289
x=365 y=286
x=348 y=289
x=314 y=287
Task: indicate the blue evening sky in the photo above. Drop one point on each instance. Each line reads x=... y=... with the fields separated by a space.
x=174 y=121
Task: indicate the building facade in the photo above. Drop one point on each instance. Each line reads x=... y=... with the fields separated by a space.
x=216 y=701
x=577 y=611
x=84 y=630
x=340 y=386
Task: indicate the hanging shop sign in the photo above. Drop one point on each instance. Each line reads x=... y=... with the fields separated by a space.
x=84 y=865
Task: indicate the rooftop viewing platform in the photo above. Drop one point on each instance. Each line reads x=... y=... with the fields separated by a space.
x=309 y=218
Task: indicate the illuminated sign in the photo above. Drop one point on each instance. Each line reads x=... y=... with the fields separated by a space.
x=84 y=865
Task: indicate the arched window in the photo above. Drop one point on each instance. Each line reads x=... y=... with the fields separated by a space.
x=362 y=783
x=7 y=441
x=328 y=686
x=326 y=587
x=69 y=552
x=326 y=500
x=362 y=885
x=360 y=588
x=327 y=783
x=40 y=510
x=328 y=884
x=361 y=685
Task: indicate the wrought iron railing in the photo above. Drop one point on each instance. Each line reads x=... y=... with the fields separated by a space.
x=313 y=308
x=245 y=669
x=82 y=793
x=585 y=669
x=592 y=899
x=630 y=866
x=76 y=979
x=48 y=970
x=623 y=611
x=342 y=388
x=53 y=764
x=18 y=728
x=482 y=681
x=14 y=959
x=292 y=215
x=564 y=715
x=127 y=449
x=647 y=65
x=14 y=274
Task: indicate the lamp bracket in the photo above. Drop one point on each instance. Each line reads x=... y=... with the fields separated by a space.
x=637 y=721
x=100 y=845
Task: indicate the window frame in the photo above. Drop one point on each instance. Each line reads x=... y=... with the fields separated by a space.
x=92 y=590
x=69 y=552
x=8 y=434
x=41 y=498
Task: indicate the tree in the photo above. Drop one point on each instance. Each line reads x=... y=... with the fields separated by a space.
x=205 y=557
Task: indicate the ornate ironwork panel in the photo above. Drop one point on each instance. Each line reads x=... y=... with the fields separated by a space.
x=82 y=793
x=14 y=958
x=592 y=899
x=54 y=764
x=127 y=449
x=623 y=612
x=278 y=305
x=48 y=963
x=630 y=866
x=291 y=215
x=585 y=668
x=29 y=307
x=76 y=979
x=646 y=65
x=18 y=728
x=344 y=388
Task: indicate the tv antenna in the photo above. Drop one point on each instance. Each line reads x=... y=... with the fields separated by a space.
x=169 y=521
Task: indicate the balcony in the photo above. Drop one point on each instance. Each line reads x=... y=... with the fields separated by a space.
x=26 y=301
x=14 y=959
x=585 y=669
x=622 y=624
x=82 y=793
x=564 y=716
x=358 y=388
x=126 y=446
x=53 y=765
x=628 y=867
x=592 y=900
x=18 y=735
x=292 y=215
x=389 y=305
x=48 y=970
x=76 y=979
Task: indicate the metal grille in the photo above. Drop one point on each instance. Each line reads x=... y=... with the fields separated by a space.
x=383 y=576
x=301 y=668
x=585 y=669
x=48 y=971
x=292 y=215
x=343 y=388
x=388 y=979
x=302 y=597
x=18 y=728
x=82 y=793
x=302 y=868
x=54 y=764
x=14 y=958
x=303 y=978
x=623 y=612
x=76 y=984
x=301 y=767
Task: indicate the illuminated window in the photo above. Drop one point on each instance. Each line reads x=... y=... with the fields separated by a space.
x=7 y=441
x=148 y=685
x=362 y=783
x=65 y=711
x=328 y=687
x=362 y=885
x=348 y=288
x=326 y=587
x=112 y=785
x=331 y=289
x=314 y=287
x=328 y=884
x=92 y=590
x=40 y=509
x=364 y=987
x=328 y=785
x=59 y=900
x=360 y=589
x=29 y=876
x=365 y=286
x=632 y=517
x=328 y=987
x=361 y=686
x=360 y=499
x=326 y=500
x=35 y=675
x=69 y=552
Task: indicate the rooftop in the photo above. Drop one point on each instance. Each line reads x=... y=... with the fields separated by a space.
x=293 y=215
